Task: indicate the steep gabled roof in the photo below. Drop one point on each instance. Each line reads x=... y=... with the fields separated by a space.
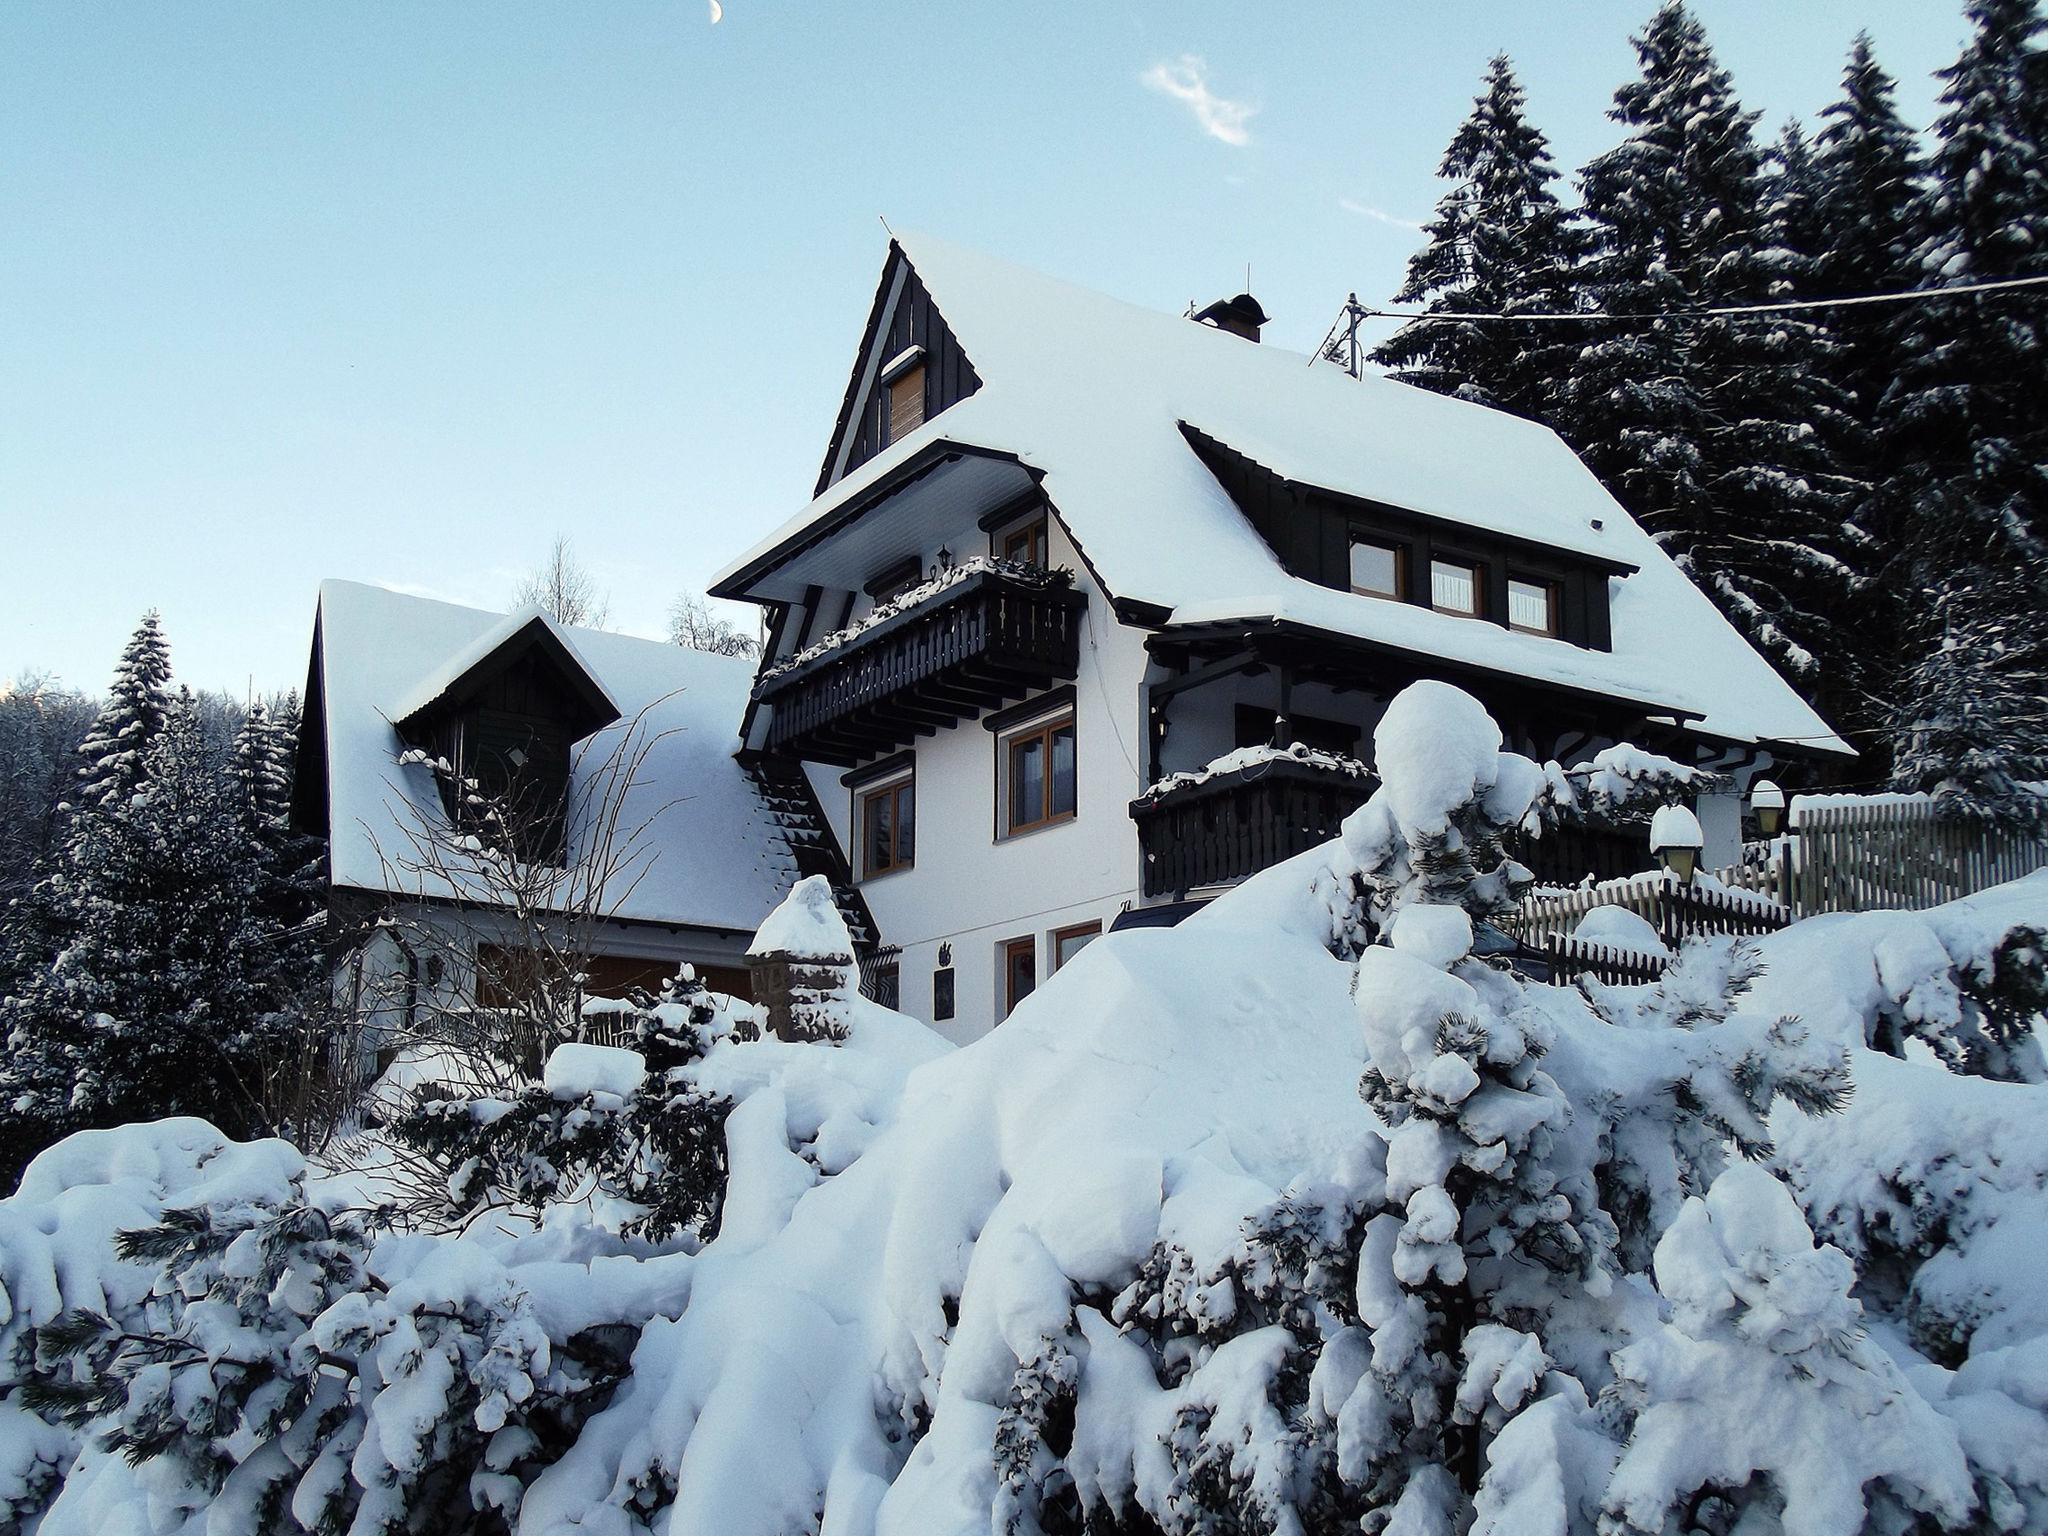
x=1093 y=395
x=714 y=855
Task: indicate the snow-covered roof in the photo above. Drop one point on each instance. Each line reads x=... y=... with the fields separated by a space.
x=444 y=678
x=710 y=854
x=1092 y=393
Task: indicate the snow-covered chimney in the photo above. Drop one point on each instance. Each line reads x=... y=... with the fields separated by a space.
x=1240 y=316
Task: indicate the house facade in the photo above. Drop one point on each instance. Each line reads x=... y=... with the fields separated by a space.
x=1095 y=608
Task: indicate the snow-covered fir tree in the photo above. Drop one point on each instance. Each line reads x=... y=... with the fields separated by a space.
x=1713 y=430
x=1500 y=243
x=116 y=750
x=146 y=1005
x=1868 y=175
x=1968 y=423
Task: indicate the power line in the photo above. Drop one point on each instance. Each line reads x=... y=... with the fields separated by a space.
x=1593 y=316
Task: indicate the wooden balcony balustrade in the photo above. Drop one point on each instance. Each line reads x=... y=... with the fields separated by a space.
x=1224 y=828
x=991 y=637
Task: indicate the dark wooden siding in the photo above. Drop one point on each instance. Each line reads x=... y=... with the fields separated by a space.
x=948 y=376
x=1311 y=531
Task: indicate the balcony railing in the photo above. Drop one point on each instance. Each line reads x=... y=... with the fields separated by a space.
x=1217 y=829
x=1230 y=825
x=977 y=642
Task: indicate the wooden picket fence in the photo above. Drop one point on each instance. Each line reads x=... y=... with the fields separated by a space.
x=1841 y=856
x=1894 y=856
x=1676 y=911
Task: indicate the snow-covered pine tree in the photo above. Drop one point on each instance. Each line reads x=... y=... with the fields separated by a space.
x=1500 y=243
x=1868 y=176
x=1969 y=424
x=284 y=863
x=146 y=1007
x=115 y=752
x=1714 y=431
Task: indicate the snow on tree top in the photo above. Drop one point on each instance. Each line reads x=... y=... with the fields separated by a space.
x=1095 y=405
x=1434 y=746
x=575 y=1070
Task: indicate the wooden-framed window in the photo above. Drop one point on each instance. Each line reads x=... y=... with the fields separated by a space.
x=888 y=826
x=1036 y=774
x=1457 y=587
x=1020 y=971
x=1378 y=569
x=1025 y=544
x=1532 y=605
x=906 y=402
x=1069 y=942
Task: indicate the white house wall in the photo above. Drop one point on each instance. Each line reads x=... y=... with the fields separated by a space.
x=973 y=891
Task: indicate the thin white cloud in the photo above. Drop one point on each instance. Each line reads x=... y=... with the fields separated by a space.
x=1366 y=210
x=1186 y=80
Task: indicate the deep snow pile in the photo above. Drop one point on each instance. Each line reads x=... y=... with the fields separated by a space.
x=1298 y=1214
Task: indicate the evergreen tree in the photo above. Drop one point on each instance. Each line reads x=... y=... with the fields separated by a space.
x=116 y=750
x=1868 y=172
x=1969 y=421
x=147 y=1006
x=1500 y=244
x=1714 y=430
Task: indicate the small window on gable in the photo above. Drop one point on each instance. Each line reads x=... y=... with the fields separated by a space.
x=906 y=402
x=1532 y=605
x=1025 y=544
x=1454 y=587
x=1376 y=569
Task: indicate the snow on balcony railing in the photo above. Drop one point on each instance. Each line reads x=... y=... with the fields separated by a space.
x=1245 y=760
x=915 y=597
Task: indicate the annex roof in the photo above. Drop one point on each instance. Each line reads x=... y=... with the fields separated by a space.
x=1092 y=394
x=707 y=852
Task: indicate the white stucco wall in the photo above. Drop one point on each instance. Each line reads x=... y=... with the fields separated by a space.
x=974 y=890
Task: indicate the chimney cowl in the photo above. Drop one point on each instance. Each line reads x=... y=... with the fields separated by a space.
x=1240 y=316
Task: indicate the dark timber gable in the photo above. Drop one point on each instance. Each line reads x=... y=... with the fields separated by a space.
x=903 y=317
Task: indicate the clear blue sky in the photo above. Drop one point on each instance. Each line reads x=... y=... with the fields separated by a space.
x=394 y=292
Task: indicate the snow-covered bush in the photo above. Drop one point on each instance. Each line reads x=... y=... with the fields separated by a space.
x=1268 y=1222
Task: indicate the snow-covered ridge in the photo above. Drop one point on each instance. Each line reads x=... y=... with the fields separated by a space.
x=1245 y=760
x=916 y=597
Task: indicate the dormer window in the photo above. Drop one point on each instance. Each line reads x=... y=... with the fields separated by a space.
x=904 y=381
x=1532 y=605
x=1454 y=588
x=1376 y=570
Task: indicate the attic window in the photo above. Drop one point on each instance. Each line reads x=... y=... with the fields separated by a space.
x=903 y=377
x=906 y=403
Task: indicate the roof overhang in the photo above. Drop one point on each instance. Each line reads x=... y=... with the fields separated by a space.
x=930 y=495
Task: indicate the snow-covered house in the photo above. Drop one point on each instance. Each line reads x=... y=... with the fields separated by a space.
x=484 y=780
x=1095 y=608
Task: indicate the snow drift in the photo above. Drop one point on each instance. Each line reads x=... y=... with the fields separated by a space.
x=1300 y=1214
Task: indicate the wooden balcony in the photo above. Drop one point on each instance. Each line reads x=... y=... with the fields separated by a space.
x=1231 y=825
x=990 y=637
